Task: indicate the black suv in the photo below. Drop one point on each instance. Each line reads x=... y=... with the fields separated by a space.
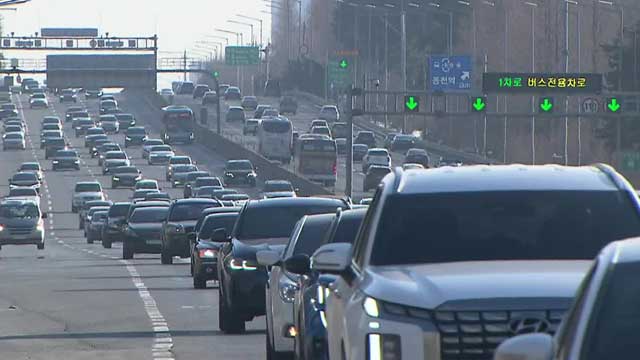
x=52 y=146
x=181 y=221
x=261 y=225
x=115 y=225
x=135 y=135
x=240 y=172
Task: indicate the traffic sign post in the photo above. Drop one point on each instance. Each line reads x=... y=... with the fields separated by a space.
x=242 y=55
x=411 y=104
x=339 y=73
x=450 y=73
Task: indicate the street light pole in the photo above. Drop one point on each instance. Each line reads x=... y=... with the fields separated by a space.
x=403 y=56
x=254 y=19
x=246 y=24
x=533 y=70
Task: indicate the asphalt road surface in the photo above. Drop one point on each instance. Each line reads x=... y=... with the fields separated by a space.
x=74 y=301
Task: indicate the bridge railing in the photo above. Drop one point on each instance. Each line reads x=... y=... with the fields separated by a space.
x=163 y=63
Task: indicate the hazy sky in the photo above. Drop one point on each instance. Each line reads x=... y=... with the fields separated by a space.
x=178 y=23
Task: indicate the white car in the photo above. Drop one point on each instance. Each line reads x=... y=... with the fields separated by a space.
x=13 y=140
x=376 y=156
x=160 y=154
x=281 y=289
x=26 y=192
x=86 y=191
x=147 y=144
x=329 y=113
x=147 y=184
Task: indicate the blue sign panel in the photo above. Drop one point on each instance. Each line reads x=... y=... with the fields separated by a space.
x=450 y=73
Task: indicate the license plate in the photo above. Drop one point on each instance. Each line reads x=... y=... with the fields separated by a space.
x=153 y=242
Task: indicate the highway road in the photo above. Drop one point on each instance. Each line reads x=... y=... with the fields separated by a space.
x=307 y=111
x=74 y=301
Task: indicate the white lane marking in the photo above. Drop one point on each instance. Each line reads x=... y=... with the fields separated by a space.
x=160 y=349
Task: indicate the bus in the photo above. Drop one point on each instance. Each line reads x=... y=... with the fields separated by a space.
x=317 y=160
x=275 y=139
x=177 y=124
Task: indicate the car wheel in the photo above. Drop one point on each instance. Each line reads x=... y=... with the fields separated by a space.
x=127 y=250
x=166 y=259
x=89 y=240
x=74 y=209
x=227 y=319
x=106 y=242
x=41 y=246
x=199 y=282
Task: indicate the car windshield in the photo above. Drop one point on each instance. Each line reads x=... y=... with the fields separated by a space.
x=271 y=186
x=208 y=182
x=125 y=170
x=115 y=155
x=504 y=225
x=19 y=211
x=25 y=176
x=378 y=153
x=99 y=216
x=124 y=117
x=67 y=153
x=140 y=193
x=183 y=160
x=89 y=187
x=13 y=136
x=256 y=222
x=189 y=211
x=108 y=118
x=312 y=233
x=136 y=131
x=194 y=175
x=32 y=166
x=217 y=221
x=184 y=168
x=119 y=210
x=153 y=142
x=161 y=148
x=149 y=215
x=239 y=165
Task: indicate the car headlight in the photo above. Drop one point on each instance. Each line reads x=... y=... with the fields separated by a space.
x=55 y=161
x=116 y=178
x=1 y=228
x=207 y=253
x=127 y=138
x=76 y=161
x=287 y=290
x=237 y=264
x=251 y=174
x=228 y=174
x=40 y=226
x=370 y=306
x=138 y=178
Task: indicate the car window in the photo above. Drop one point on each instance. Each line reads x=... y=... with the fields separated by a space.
x=312 y=234
x=93 y=187
x=25 y=176
x=502 y=225
x=19 y=211
x=277 y=186
x=189 y=211
x=118 y=210
x=218 y=221
x=149 y=215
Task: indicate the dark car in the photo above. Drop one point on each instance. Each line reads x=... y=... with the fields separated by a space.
x=417 y=156
x=232 y=93
x=65 y=159
x=95 y=226
x=180 y=174
x=308 y=303
x=288 y=105
x=143 y=233
x=157 y=196
x=200 y=90
x=82 y=125
x=92 y=93
x=249 y=102
x=124 y=176
x=183 y=215
x=235 y=113
x=359 y=151
x=403 y=142
x=192 y=187
x=261 y=224
x=25 y=178
x=272 y=88
x=84 y=210
x=113 y=230
x=260 y=110
x=125 y=120
x=223 y=87
x=135 y=135
x=100 y=150
x=210 y=97
x=78 y=113
x=49 y=134
x=68 y=95
x=185 y=88
x=190 y=177
x=90 y=140
x=204 y=254
x=374 y=175
x=240 y=172
x=388 y=140
x=51 y=146
x=365 y=137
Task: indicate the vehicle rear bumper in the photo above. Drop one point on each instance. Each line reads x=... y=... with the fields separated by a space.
x=206 y=269
x=177 y=245
x=247 y=293
x=33 y=238
x=145 y=246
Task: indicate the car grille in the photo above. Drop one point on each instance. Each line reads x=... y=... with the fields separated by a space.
x=466 y=335
x=19 y=230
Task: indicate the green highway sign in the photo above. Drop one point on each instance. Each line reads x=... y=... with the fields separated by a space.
x=631 y=161
x=338 y=73
x=411 y=103
x=242 y=55
x=545 y=104
x=613 y=106
x=479 y=104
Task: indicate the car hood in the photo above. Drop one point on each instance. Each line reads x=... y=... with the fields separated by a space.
x=115 y=162
x=247 y=250
x=87 y=194
x=431 y=285
x=161 y=153
x=18 y=222
x=272 y=194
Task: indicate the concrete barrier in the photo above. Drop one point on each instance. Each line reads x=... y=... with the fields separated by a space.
x=231 y=150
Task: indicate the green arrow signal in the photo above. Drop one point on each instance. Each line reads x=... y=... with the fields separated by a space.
x=613 y=105
x=546 y=105
x=344 y=64
x=479 y=104
x=216 y=74
x=412 y=103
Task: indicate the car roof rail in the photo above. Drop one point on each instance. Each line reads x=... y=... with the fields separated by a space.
x=614 y=176
x=397 y=177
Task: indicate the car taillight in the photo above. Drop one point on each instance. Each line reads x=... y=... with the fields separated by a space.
x=335 y=169
x=208 y=253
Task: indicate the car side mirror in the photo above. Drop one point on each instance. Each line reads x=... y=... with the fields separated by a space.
x=191 y=237
x=268 y=258
x=298 y=264
x=220 y=235
x=44 y=215
x=536 y=346
x=332 y=258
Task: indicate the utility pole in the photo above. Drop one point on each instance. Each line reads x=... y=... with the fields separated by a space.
x=533 y=70
x=350 y=113
x=403 y=56
x=184 y=64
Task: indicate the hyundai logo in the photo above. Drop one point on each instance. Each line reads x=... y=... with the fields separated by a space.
x=529 y=325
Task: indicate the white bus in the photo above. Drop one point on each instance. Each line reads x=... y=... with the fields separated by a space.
x=317 y=159
x=275 y=139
